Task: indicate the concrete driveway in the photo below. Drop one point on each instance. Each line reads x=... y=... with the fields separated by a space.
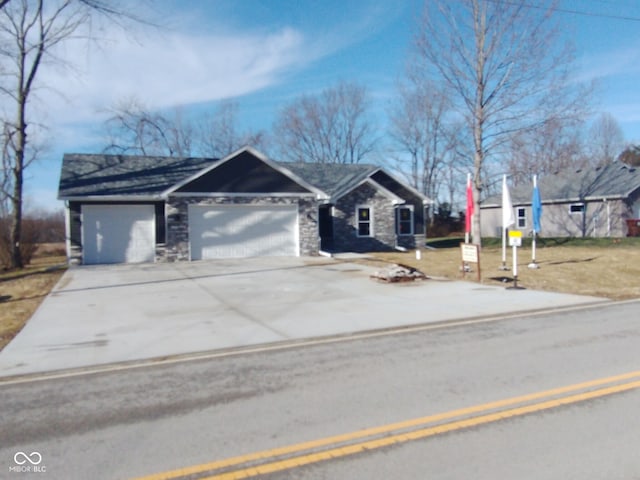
x=108 y=314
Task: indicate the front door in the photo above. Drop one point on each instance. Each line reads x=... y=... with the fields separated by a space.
x=325 y=227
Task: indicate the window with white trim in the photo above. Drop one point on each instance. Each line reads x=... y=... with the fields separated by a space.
x=576 y=208
x=404 y=220
x=522 y=217
x=364 y=221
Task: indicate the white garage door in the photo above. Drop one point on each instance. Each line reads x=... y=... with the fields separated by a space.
x=233 y=231
x=118 y=233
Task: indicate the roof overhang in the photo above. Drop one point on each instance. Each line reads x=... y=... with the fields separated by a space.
x=396 y=200
x=239 y=195
x=112 y=198
x=425 y=200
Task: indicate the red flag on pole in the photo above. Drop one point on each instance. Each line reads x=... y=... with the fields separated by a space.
x=469 y=214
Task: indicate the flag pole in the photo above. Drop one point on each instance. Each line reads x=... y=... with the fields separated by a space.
x=468 y=224
x=535 y=214
x=533 y=251
x=535 y=233
x=468 y=213
x=504 y=248
x=507 y=220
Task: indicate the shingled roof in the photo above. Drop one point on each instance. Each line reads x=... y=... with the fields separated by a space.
x=614 y=180
x=115 y=175
x=331 y=178
x=100 y=175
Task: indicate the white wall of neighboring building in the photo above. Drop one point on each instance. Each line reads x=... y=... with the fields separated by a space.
x=599 y=219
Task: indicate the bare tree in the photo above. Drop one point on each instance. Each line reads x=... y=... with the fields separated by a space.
x=631 y=156
x=29 y=32
x=333 y=127
x=502 y=62
x=217 y=133
x=606 y=140
x=422 y=133
x=133 y=128
x=555 y=146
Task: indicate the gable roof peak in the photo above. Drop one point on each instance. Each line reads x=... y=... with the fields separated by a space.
x=242 y=154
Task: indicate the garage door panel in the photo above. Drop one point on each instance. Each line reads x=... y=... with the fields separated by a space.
x=242 y=231
x=118 y=233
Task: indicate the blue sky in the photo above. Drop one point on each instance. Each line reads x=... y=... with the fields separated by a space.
x=263 y=54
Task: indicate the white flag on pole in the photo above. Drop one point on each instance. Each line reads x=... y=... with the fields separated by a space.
x=508 y=218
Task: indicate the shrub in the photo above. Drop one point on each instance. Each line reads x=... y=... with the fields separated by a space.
x=36 y=228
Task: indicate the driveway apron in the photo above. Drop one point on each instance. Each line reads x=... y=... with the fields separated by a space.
x=121 y=313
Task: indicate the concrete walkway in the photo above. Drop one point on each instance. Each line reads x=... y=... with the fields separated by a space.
x=100 y=315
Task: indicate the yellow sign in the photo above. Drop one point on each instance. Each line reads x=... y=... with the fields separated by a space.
x=515 y=238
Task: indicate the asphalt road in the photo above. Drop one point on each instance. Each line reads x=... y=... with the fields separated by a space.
x=529 y=418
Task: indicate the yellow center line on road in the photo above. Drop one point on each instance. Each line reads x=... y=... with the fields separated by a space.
x=396 y=438
x=416 y=435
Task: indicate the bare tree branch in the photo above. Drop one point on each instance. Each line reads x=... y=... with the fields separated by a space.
x=421 y=130
x=330 y=128
x=606 y=140
x=217 y=132
x=133 y=128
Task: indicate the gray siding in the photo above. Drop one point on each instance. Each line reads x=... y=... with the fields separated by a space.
x=600 y=219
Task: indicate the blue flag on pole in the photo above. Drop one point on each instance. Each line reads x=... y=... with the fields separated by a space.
x=536 y=206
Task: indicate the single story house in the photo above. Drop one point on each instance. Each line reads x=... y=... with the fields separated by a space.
x=594 y=202
x=131 y=209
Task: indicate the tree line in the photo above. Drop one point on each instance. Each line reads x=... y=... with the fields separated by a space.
x=487 y=89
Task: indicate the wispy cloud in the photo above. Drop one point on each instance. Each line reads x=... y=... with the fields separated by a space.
x=162 y=70
x=172 y=69
x=197 y=60
x=619 y=61
x=614 y=71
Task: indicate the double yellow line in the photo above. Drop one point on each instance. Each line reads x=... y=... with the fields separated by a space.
x=292 y=456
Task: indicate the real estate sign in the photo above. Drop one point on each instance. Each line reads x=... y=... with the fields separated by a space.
x=515 y=238
x=470 y=254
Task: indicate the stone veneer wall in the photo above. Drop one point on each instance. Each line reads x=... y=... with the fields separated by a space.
x=177 y=214
x=344 y=222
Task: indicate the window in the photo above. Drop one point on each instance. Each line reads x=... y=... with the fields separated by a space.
x=522 y=217
x=576 y=208
x=404 y=220
x=364 y=222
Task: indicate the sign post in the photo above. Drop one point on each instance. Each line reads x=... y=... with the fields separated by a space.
x=470 y=254
x=515 y=241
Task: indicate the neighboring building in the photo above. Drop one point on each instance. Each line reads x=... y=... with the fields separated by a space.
x=130 y=209
x=596 y=202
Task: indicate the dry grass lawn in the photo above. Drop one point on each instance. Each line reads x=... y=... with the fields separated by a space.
x=21 y=292
x=607 y=268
